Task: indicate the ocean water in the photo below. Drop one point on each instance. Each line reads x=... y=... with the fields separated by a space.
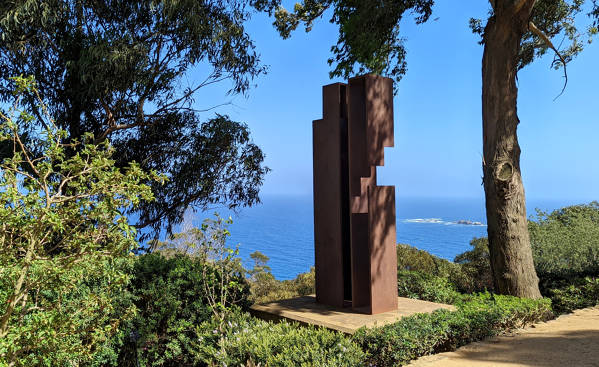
x=282 y=228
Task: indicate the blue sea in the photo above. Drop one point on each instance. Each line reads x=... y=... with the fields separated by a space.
x=282 y=228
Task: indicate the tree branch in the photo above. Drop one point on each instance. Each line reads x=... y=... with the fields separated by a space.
x=533 y=28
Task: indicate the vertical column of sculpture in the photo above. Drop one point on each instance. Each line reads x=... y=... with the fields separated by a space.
x=372 y=220
x=331 y=198
x=354 y=219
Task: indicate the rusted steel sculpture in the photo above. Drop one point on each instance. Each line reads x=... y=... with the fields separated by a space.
x=354 y=219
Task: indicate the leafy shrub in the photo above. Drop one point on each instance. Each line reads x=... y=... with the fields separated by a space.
x=247 y=340
x=565 y=246
x=428 y=287
x=476 y=267
x=64 y=240
x=478 y=317
x=171 y=298
x=266 y=288
x=572 y=294
x=565 y=242
x=412 y=259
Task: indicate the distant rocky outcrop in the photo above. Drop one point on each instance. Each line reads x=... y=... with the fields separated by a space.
x=469 y=223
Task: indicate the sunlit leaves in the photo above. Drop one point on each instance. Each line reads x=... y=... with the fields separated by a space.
x=64 y=241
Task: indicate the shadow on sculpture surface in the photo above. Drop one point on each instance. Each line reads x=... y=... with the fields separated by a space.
x=354 y=219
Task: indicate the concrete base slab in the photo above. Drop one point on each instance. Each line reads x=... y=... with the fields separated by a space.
x=305 y=310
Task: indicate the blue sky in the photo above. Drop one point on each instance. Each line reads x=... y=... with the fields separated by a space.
x=438 y=127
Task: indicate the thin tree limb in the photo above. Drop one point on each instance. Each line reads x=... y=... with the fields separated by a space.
x=533 y=28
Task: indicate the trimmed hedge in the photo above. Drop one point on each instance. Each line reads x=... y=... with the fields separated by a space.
x=481 y=316
x=246 y=341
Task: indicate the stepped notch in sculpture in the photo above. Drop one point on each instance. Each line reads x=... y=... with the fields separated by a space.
x=354 y=219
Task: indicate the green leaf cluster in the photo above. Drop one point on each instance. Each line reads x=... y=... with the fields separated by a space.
x=65 y=240
x=369 y=32
x=481 y=316
x=565 y=242
x=426 y=286
x=171 y=299
x=476 y=266
x=370 y=39
x=266 y=288
x=572 y=294
x=247 y=341
x=412 y=259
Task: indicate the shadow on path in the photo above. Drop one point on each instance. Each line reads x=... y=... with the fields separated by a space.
x=571 y=341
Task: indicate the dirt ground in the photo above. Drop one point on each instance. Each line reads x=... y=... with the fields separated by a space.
x=568 y=341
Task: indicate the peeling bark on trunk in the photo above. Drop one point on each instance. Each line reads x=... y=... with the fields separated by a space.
x=509 y=242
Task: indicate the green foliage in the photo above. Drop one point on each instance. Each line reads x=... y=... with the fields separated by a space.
x=425 y=286
x=479 y=317
x=209 y=244
x=565 y=249
x=369 y=38
x=65 y=243
x=413 y=259
x=556 y=18
x=595 y=14
x=119 y=69
x=565 y=242
x=266 y=288
x=248 y=341
x=572 y=294
x=476 y=266
x=173 y=296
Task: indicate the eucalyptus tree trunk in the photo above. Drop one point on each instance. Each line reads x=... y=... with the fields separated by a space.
x=509 y=242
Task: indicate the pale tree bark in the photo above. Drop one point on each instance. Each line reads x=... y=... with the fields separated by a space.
x=509 y=242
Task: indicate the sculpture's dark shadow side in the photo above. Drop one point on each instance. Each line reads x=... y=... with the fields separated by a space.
x=354 y=219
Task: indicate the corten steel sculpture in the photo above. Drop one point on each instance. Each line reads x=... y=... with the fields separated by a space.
x=354 y=219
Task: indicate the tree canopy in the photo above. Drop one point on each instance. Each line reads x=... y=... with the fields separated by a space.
x=119 y=69
x=370 y=39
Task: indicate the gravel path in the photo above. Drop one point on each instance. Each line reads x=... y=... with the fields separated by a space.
x=568 y=341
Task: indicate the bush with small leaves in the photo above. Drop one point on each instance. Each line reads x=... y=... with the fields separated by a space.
x=266 y=288
x=569 y=295
x=477 y=317
x=476 y=266
x=248 y=341
x=412 y=259
x=172 y=299
x=65 y=241
x=427 y=287
x=565 y=242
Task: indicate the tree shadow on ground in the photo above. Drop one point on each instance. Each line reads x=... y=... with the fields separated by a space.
x=578 y=348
